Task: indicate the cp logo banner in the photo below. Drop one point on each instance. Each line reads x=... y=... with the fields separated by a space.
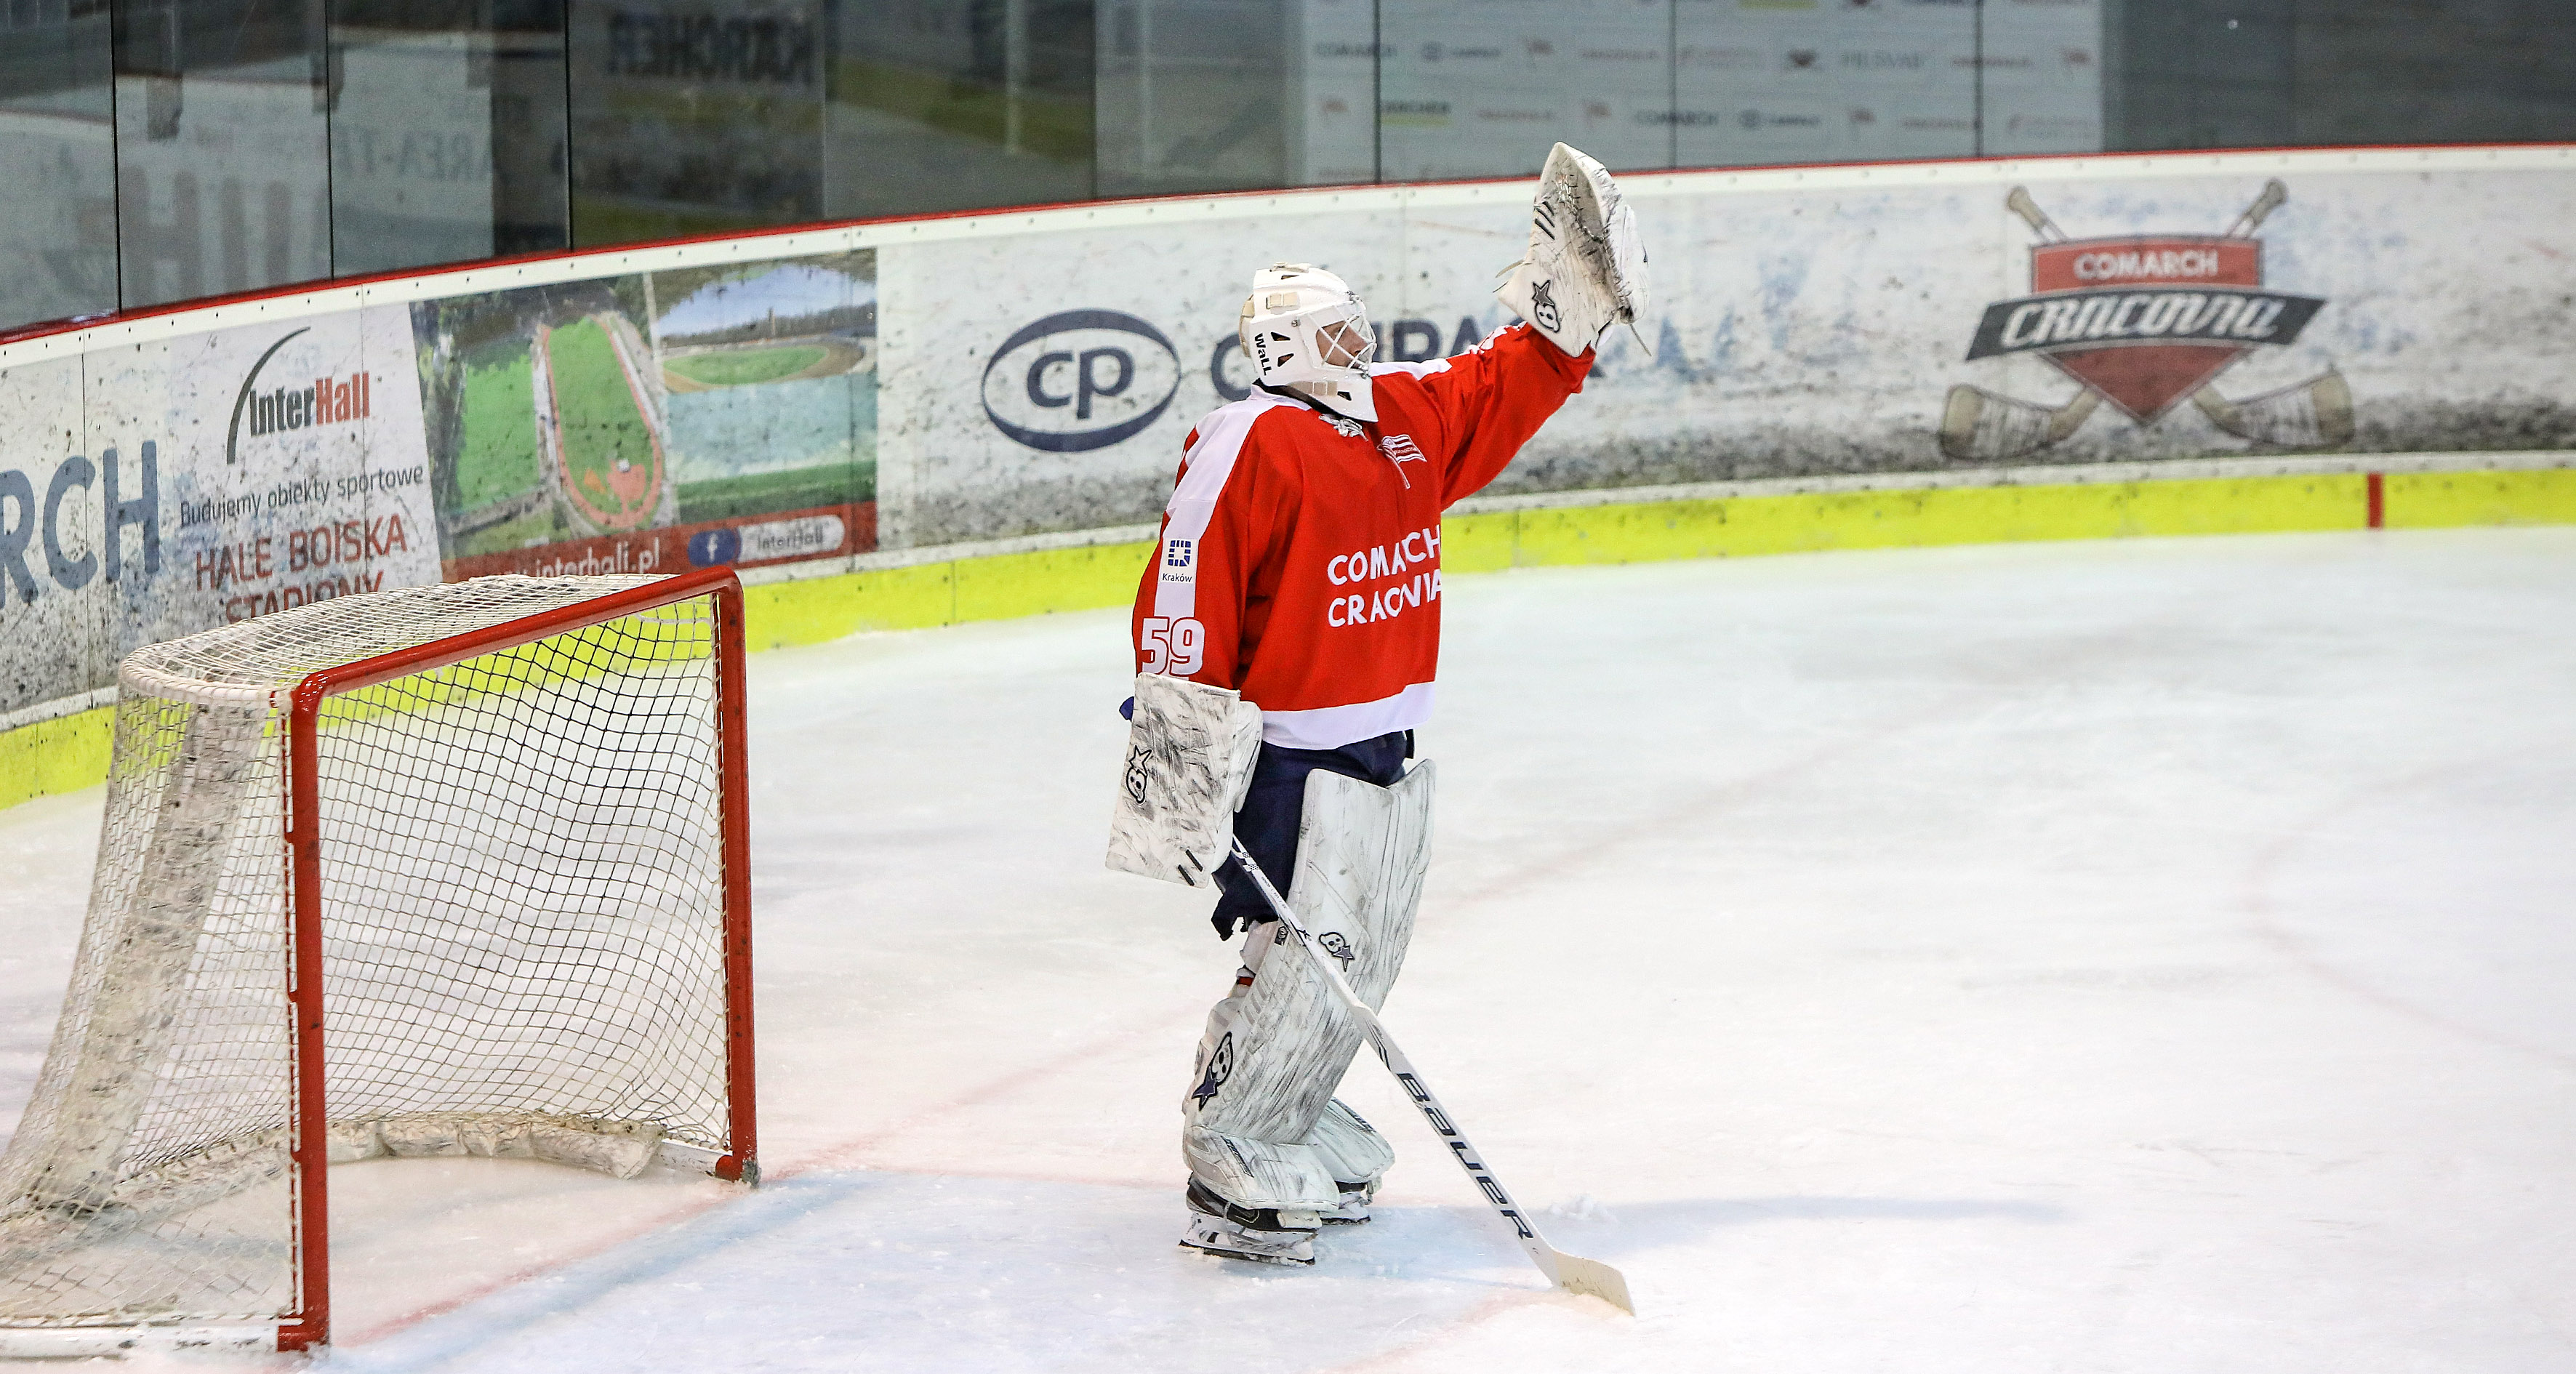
x=1080 y=380
x=2143 y=323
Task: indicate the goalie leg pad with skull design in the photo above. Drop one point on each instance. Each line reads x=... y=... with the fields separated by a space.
x=1276 y=1047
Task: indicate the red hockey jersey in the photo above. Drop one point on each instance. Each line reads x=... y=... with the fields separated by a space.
x=1300 y=552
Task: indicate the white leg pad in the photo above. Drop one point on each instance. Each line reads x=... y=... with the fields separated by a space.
x=1350 y=1147
x=1258 y=1173
x=1275 y=1050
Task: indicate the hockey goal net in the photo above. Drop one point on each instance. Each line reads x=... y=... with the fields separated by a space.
x=452 y=870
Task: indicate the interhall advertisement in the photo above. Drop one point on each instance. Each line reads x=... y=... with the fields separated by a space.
x=924 y=384
x=151 y=491
x=642 y=423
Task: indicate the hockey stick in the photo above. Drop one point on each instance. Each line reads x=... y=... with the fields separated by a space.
x=2316 y=413
x=2020 y=203
x=1979 y=424
x=2274 y=193
x=1982 y=426
x=1573 y=1273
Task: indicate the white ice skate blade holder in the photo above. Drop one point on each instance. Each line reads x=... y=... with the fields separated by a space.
x=1208 y=1235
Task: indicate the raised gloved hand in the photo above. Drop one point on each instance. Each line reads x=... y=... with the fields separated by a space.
x=1585 y=268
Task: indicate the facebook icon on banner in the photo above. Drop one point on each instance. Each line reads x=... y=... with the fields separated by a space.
x=707 y=548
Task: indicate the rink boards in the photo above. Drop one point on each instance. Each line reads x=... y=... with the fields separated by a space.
x=1037 y=576
x=983 y=411
x=1735 y=520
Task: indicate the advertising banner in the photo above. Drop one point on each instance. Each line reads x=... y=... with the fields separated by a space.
x=655 y=422
x=903 y=386
x=1011 y=411
x=652 y=422
x=1798 y=330
x=152 y=491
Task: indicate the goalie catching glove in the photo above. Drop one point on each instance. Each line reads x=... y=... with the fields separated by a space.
x=1586 y=268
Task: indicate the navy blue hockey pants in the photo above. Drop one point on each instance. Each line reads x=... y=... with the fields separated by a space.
x=1267 y=824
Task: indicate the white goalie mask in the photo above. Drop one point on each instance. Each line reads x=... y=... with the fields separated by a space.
x=1304 y=328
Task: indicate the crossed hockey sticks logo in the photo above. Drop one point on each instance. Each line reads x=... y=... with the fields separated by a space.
x=2144 y=321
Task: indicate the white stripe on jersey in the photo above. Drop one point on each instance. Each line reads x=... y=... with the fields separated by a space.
x=1204 y=467
x=1427 y=367
x=1331 y=727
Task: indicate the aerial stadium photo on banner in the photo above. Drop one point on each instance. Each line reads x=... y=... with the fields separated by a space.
x=655 y=422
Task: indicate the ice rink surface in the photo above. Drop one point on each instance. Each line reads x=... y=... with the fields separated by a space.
x=2139 y=956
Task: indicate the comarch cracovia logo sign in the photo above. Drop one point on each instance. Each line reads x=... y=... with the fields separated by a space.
x=2144 y=323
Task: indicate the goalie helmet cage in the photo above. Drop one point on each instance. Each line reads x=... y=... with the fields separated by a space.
x=448 y=870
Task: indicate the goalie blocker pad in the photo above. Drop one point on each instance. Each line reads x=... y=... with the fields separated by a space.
x=1256 y=1128
x=1190 y=751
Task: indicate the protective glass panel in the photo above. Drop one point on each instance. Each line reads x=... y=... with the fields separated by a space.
x=955 y=104
x=447 y=133
x=1477 y=88
x=693 y=118
x=222 y=147
x=1196 y=95
x=1786 y=85
x=58 y=157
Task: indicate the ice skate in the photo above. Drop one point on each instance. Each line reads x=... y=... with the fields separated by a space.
x=1266 y=1235
x=1354 y=1206
x=1357 y=1157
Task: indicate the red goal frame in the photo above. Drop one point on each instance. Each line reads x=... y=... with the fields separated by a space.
x=310 y=1325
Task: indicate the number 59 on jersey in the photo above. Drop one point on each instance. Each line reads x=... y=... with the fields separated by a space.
x=1177 y=647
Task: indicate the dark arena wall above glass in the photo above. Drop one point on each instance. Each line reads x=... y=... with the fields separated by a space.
x=166 y=150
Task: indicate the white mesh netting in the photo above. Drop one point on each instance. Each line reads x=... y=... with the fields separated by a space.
x=522 y=938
